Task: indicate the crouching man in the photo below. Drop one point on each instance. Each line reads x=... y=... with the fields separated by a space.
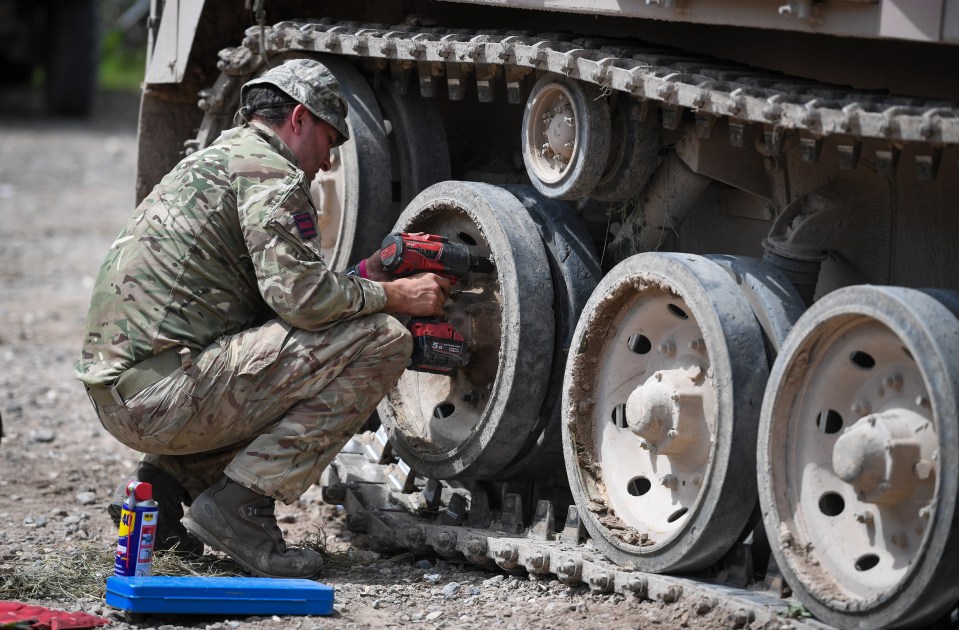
x=220 y=345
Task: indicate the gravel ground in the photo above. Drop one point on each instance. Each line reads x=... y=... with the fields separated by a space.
x=66 y=187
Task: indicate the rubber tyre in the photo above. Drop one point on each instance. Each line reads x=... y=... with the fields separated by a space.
x=574 y=268
x=634 y=153
x=418 y=149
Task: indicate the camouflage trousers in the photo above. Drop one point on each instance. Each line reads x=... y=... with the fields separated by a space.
x=270 y=407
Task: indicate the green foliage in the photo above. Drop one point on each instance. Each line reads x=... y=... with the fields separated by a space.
x=122 y=67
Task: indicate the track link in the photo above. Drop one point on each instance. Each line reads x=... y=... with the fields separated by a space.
x=398 y=510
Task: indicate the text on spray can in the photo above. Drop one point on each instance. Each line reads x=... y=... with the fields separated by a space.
x=138 y=528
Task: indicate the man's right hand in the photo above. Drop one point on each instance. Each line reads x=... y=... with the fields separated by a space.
x=422 y=295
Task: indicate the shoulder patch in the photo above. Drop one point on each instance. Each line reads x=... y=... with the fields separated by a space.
x=305 y=225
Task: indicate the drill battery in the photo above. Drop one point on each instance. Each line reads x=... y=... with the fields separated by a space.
x=437 y=346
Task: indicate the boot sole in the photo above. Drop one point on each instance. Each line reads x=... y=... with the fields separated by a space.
x=200 y=532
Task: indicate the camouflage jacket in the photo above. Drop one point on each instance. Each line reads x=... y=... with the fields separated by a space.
x=227 y=240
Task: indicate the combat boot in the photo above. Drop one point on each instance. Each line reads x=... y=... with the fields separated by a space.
x=170 y=497
x=242 y=524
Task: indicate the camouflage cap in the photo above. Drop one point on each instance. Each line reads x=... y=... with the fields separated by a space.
x=309 y=82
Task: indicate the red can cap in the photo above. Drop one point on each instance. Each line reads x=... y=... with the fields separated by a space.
x=141 y=490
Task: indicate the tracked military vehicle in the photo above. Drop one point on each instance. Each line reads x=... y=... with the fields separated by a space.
x=718 y=358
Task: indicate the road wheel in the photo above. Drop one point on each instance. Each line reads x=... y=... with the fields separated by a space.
x=476 y=422
x=566 y=134
x=660 y=409
x=859 y=457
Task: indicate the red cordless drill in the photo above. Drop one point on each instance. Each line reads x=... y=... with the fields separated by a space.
x=404 y=254
x=437 y=346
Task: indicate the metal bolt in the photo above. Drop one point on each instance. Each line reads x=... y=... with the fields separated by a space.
x=637 y=586
x=672 y=433
x=475 y=547
x=471 y=397
x=697 y=480
x=671 y=595
x=925 y=512
x=884 y=485
x=861 y=407
x=600 y=582
x=568 y=145
x=536 y=560
x=668 y=348
x=894 y=381
x=669 y=481
x=697 y=345
x=414 y=536
x=922 y=401
x=446 y=541
x=864 y=517
x=922 y=469
x=568 y=120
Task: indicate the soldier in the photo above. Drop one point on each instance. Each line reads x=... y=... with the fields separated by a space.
x=220 y=345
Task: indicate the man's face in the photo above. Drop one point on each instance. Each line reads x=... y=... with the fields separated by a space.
x=314 y=140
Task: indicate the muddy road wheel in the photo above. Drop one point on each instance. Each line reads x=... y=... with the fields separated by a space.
x=566 y=134
x=859 y=457
x=476 y=422
x=660 y=409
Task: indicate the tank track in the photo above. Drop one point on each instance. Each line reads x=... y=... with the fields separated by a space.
x=674 y=80
x=397 y=510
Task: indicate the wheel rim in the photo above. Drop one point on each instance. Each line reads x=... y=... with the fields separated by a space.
x=659 y=419
x=566 y=137
x=472 y=424
x=861 y=483
x=551 y=135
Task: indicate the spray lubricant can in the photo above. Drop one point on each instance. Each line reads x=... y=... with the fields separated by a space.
x=138 y=529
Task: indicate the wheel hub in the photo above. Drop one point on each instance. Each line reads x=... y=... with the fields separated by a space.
x=886 y=455
x=668 y=411
x=561 y=130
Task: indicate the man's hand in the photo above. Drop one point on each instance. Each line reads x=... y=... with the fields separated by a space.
x=422 y=295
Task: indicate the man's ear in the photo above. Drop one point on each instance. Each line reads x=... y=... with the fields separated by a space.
x=296 y=117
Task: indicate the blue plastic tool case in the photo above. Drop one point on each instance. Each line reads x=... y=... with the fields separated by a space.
x=216 y=595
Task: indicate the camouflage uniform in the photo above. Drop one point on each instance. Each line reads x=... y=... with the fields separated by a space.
x=282 y=359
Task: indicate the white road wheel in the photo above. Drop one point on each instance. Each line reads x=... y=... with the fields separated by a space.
x=660 y=409
x=566 y=129
x=858 y=470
